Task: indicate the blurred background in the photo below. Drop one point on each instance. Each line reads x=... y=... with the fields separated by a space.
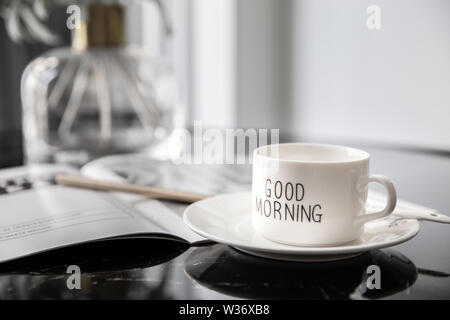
x=311 y=68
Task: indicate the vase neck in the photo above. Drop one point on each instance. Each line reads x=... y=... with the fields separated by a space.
x=103 y=28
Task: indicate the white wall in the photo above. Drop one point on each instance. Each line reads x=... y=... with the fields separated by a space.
x=240 y=66
x=264 y=62
x=213 y=62
x=389 y=85
x=314 y=70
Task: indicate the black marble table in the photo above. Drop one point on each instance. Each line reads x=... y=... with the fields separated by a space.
x=156 y=269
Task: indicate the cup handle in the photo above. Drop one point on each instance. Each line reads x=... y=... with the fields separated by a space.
x=391 y=199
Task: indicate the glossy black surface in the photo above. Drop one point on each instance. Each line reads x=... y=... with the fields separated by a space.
x=154 y=269
x=230 y=272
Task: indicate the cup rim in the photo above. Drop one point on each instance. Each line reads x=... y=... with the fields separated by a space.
x=364 y=154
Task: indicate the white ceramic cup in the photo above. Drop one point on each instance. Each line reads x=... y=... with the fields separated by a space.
x=313 y=194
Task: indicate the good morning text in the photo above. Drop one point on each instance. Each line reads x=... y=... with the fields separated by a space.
x=284 y=201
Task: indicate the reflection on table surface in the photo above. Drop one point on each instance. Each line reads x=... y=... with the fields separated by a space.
x=231 y=272
x=155 y=269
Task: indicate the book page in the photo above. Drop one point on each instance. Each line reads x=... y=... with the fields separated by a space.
x=50 y=217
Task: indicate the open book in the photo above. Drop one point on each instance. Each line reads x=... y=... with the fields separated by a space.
x=38 y=216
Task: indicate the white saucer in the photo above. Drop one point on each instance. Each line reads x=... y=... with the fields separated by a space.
x=227 y=219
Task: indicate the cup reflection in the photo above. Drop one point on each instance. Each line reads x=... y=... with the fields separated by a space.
x=226 y=270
